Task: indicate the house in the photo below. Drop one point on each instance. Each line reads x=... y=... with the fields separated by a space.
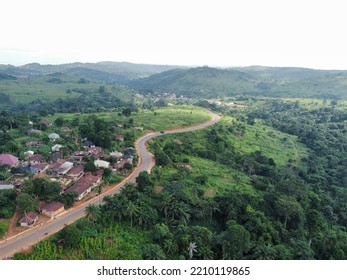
x=29 y=219
x=129 y=151
x=85 y=185
x=53 y=209
x=116 y=154
x=95 y=152
x=29 y=153
x=55 y=157
x=60 y=168
x=6 y=186
x=46 y=122
x=26 y=169
x=76 y=172
x=65 y=129
x=34 y=144
x=34 y=131
x=53 y=136
x=101 y=163
x=138 y=128
x=41 y=167
x=120 y=124
x=7 y=159
x=120 y=137
x=36 y=159
x=56 y=147
x=183 y=164
x=88 y=144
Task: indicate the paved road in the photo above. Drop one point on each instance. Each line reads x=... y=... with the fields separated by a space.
x=146 y=162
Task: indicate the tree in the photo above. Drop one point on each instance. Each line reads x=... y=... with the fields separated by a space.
x=126 y=112
x=26 y=203
x=90 y=167
x=144 y=181
x=235 y=241
x=153 y=252
x=70 y=235
x=59 y=121
x=192 y=249
x=132 y=211
x=93 y=212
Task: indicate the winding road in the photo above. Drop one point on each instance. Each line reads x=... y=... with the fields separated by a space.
x=26 y=239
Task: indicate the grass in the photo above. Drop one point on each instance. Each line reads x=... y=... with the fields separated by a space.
x=220 y=177
x=272 y=143
x=3 y=228
x=26 y=90
x=160 y=119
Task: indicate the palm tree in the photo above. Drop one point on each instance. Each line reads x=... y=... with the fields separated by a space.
x=212 y=206
x=192 y=249
x=93 y=212
x=132 y=211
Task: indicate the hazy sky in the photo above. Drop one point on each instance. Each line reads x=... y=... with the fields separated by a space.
x=183 y=32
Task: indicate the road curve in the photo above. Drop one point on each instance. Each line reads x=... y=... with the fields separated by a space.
x=20 y=242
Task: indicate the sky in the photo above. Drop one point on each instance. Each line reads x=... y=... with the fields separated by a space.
x=299 y=33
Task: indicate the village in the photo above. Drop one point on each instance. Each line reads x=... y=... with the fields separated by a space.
x=77 y=172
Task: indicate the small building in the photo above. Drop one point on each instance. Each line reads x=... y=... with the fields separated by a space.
x=101 y=163
x=41 y=167
x=34 y=144
x=7 y=159
x=116 y=154
x=65 y=129
x=34 y=131
x=56 y=147
x=46 y=122
x=85 y=185
x=76 y=172
x=120 y=137
x=26 y=169
x=36 y=159
x=52 y=209
x=120 y=124
x=88 y=144
x=183 y=164
x=29 y=154
x=129 y=151
x=29 y=219
x=53 y=136
x=6 y=186
x=95 y=152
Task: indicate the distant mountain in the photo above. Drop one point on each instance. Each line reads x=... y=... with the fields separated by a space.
x=104 y=71
x=198 y=82
x=209 y=82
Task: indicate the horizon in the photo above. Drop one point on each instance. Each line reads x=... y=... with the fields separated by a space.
x=176 y=65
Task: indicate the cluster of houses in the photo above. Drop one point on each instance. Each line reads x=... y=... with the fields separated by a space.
x=68 y=171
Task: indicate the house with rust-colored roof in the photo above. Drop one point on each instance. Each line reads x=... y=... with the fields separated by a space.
x=7 y=159
x=85 y=185
x=53 y=209
x=29 y=219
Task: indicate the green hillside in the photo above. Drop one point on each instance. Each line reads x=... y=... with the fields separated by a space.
x=206 y=82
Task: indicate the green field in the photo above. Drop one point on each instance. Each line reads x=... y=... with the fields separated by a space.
x=272 y=143
x=160 y=119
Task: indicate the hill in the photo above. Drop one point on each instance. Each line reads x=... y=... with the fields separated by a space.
x=206 y=82
x=104 y=71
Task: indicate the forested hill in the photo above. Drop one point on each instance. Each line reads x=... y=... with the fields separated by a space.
x=209 y=82
x=104 y=71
